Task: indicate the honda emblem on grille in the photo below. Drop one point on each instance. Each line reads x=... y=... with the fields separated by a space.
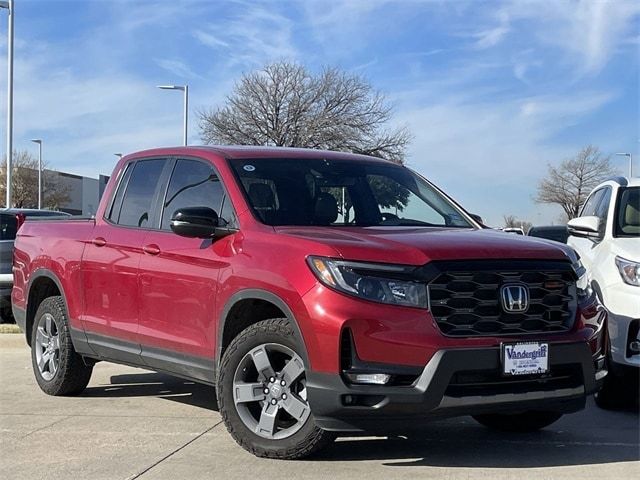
x=515 y=298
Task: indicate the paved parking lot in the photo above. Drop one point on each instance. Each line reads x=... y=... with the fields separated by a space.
x=131 y=424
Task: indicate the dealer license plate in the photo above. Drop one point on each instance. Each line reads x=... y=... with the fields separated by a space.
x=525 y=358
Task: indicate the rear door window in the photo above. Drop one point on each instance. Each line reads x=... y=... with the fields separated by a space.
x=141 y=189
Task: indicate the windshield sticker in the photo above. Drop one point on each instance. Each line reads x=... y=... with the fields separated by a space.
x=249 y=168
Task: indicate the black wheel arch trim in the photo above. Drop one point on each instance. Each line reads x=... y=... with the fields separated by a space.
x=37 y=274
x=257 y=294
x=78 y=336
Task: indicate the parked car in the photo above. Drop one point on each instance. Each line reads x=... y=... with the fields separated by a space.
x=557 y=233
x=321 y=293
x=10 y=219
x=606 y=235
x=516 y=230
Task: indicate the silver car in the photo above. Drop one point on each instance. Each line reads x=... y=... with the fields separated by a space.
x=8 y=229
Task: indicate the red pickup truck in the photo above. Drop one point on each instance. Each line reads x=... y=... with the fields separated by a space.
x=319 y=292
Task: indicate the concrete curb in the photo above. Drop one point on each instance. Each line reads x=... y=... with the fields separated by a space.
x=9 y=328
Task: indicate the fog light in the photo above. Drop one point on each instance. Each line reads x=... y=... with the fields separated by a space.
x=369 y=378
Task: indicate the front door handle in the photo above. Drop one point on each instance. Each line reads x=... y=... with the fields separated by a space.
x=99 y=242
x=151 y=249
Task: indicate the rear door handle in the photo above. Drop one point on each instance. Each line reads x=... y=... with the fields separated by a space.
x=151 y=249
x=99 y=242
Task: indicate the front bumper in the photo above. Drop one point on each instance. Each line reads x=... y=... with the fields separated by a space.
x=442 y=391
x=622 y=331
x=623 y=303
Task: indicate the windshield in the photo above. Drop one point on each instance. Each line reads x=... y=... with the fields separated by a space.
x=627 y=222
x=343 y=193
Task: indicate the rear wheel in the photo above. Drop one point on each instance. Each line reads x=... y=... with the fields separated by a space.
x=262 y=393
x=519 y=422
x=59 y=370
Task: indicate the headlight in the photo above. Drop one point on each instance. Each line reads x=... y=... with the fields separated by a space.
x=629 y=271
x=376 y=282
x=582 y=285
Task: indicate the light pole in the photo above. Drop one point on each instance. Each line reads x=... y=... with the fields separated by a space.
x=9 y=6
x=185 y=90
x=39 y=142
x=623 y=154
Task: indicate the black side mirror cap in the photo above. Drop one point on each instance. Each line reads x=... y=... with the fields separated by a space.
x=195 y=222
x=477 y=218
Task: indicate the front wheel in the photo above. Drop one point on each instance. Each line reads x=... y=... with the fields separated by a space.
x=520 y=422
x=262 y=393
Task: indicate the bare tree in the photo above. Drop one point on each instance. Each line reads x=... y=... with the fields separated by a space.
x=569 y=184
x=285 y=105
x=24 y=180
x=510 y=221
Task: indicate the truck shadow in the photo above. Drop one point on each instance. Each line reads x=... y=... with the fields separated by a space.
x=593 y=436
x=159 y=385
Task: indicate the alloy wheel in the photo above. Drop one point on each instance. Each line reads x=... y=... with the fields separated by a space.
x=269 y=391
x=47 y=346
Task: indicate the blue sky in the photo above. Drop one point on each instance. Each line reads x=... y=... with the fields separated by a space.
x=492 y=91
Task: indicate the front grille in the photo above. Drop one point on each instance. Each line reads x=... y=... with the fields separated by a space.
x=491 y=382
x=465 y=298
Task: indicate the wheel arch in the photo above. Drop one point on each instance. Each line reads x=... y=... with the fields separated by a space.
x=268 y=303
x=42 y=284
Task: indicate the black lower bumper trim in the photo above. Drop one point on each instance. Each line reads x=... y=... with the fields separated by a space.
x=351 y=408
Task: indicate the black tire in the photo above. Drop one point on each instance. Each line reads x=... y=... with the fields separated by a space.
x=71 y=374
x=519 y=422
x=305 y=441
x=620 y=387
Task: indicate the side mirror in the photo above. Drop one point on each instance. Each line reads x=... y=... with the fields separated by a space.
x=195 y=222
x=587 y=227
x=477 y=218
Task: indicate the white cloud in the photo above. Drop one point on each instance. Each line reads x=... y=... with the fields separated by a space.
x=209 y=39
x=177 y=68
x=490 y=155
x=587 y=31
x=253 y=36
x=492 y=36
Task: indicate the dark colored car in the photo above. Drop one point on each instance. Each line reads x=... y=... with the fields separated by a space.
x=9 y=222
x=557 y=233
x=321 y=293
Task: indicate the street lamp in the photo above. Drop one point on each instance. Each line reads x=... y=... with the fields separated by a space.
x=119 y=155
x=39 y=142
x=9 y=6
x=623 y=154
x=185 y=89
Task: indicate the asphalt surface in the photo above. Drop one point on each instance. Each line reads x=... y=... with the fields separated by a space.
x=131 y=424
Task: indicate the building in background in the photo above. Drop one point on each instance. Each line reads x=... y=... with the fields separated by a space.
x=84 y=192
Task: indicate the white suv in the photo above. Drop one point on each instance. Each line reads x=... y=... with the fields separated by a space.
x=606 y=235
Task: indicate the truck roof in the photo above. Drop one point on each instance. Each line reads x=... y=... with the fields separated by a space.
x=257 y=152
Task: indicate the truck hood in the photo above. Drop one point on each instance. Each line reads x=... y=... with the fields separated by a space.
x=417 y=246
